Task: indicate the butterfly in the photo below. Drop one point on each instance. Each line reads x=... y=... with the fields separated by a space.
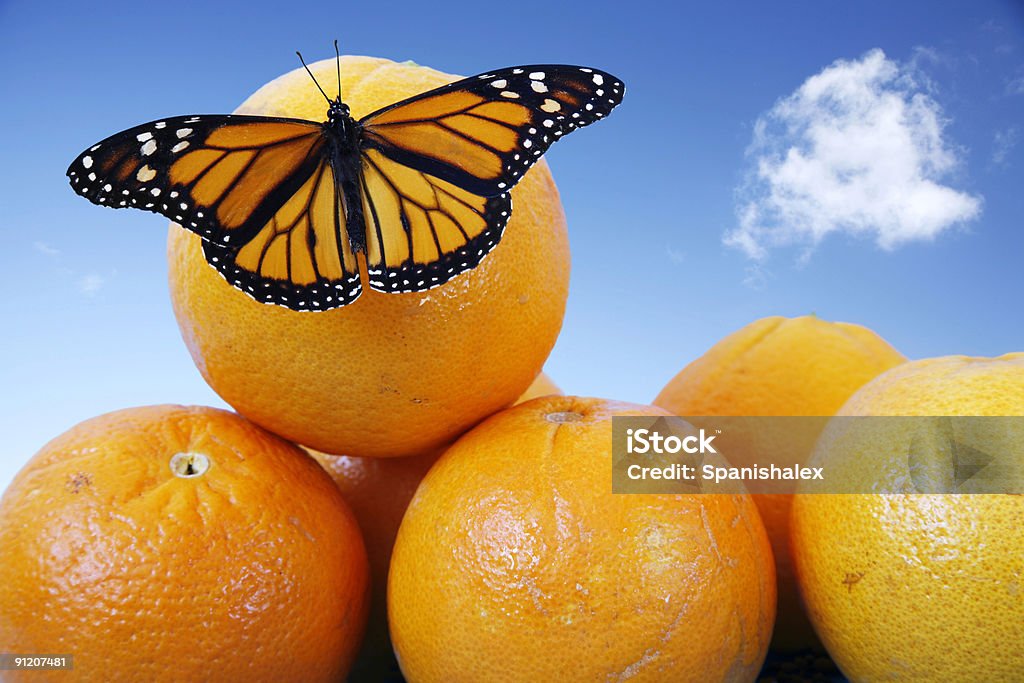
x=288 y=209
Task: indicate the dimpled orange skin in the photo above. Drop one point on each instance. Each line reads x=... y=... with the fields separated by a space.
x=920 y=587
x=253 y=571
x=542 y=386
x=378 y=491
x=781 y=366
x=515 y=562
x=390 y=373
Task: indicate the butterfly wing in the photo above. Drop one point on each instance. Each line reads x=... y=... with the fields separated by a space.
x=301 y=257
x=482 y=133
x=423 y=231
x=259 y=190
x=437 y=168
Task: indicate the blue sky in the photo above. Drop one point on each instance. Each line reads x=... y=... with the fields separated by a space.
x=858 y=160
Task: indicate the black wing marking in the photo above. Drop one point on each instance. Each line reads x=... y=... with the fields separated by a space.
x=482 y=133
x=219 y=176
x=423 y=231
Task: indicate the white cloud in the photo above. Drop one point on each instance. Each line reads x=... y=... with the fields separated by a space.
x=44 y=248
x=675 y=255
x=1015 y=86
x=90 y=284
x=857 y=149
x=1003 y=143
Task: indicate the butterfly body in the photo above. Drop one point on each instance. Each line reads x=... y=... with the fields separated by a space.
x=291 y=210
x=344 y=136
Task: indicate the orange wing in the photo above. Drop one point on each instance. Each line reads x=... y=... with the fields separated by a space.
x=301 y=256
x=422 y=231
x=219 y=176
x=482 y=133
x=259 y=190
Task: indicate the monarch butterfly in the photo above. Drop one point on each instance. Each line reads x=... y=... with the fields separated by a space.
x=419 y=188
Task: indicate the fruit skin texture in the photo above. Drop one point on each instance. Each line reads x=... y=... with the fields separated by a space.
x=379 y=490
x=920 y=587
x=515 y=562
x=542 y=386
x=253 y=571
x=390 y=373
x=781 y=366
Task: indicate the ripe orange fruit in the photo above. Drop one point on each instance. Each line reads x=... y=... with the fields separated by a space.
x=378 y=491
x=542 y=386
x=169 y=543
x=922 y=587
x=391 y=373
x=776 y=367
x=516 y=562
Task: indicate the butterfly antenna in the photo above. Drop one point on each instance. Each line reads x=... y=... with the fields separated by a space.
x=338 y=62
x=313 y=77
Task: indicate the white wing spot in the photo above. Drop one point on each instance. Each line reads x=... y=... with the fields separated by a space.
x=183 y=132
x=527 y=143
x=159 y=125
x=142 y=137
x=598 y=79
x=108 y=187
x=92 y=176
x=148 y=147
x=510 y=95
x=548 y=123
x=145 y=174
x=500 y=83
x=538 y=86
x=87 y=162
x=551 y=106
x=156 y=193
x=180 y=146
x=537 y=75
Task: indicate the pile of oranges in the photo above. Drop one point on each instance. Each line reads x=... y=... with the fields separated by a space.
x=403 y=493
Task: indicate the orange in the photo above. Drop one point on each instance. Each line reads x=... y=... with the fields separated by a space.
x=542 y=386
x=379 y=491
x=515 y=562
x=169 y=543
x=391 y=373
x=919 y=587
x=780 y=366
